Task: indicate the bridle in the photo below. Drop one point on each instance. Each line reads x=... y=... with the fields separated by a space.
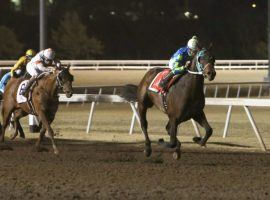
x=200 y=67
x=60 y=83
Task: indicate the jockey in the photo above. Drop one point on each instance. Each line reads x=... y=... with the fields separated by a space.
x=4 y=81
x=38 y=65
x=18 y=69
x=181 y=60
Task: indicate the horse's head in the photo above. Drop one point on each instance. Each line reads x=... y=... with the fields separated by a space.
x=205 y=63
x=65 y=80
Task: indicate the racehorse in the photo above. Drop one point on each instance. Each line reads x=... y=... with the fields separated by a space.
x=185 y=100
x=44 y=100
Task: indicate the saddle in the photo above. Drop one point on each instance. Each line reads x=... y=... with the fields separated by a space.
x=28 y=98
x=154 y=86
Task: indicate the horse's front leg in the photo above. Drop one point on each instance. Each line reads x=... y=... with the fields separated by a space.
x=171 y=128
x=40 y=138
x=201 y=119
x=172 y=132
x=46 y=125
x=174 y=142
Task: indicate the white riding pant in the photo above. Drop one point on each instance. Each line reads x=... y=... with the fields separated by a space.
x=171 y=63
x=33 y=69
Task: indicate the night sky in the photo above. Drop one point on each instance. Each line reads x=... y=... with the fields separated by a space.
x=147 y=29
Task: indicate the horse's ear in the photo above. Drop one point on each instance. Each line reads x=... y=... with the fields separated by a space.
x=68 y=66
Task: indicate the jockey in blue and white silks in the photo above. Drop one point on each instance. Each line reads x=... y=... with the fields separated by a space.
x=180 y=60
x=4 y=81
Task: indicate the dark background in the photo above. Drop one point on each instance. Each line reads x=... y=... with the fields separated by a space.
x=135 y=29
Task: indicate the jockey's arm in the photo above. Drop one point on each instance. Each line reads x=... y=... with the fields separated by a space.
x=18 y=64
x=179 y=64
x=42 y=68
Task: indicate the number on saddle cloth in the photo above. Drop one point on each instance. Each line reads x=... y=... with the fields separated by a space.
x=154 y=86
x=22 y=87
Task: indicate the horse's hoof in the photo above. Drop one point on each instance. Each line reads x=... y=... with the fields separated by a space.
x=147 y=152
x=161 y=141
x=176 y=155
x=197 y=140
x=22 y=136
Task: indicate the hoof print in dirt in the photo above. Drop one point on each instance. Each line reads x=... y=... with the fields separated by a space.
x=6 y=148
x=41 y=149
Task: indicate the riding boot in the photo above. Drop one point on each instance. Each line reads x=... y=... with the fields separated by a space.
x=163 y=83
x=28 y=86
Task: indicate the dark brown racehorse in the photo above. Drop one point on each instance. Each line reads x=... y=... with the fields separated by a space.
x=185 y=100
x=45 y=102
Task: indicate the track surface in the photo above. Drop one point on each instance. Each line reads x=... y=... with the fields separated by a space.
x=97 y=170
x=90 y=168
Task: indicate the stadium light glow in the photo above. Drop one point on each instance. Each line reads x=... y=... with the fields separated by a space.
x=187 y=14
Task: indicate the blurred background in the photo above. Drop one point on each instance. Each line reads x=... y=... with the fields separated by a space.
x=137 y=29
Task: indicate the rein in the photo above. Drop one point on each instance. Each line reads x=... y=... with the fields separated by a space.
x=193 y=72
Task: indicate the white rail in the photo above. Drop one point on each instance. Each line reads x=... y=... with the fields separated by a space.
x=147 y=64
x=230 y=102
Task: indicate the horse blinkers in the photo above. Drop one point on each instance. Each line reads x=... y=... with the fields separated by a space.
x=65 y=80
x=208 y=63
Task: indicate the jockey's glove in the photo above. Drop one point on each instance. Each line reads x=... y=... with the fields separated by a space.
x=188 y=63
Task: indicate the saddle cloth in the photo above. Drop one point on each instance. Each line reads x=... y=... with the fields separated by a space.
x=21 y=88
x=154 y=86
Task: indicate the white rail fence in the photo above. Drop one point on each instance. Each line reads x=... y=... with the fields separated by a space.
x=148 y=64
x=226 y=90
x=230 y=102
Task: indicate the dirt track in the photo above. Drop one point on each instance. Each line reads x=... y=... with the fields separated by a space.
x=88 y=170
x=109 y=163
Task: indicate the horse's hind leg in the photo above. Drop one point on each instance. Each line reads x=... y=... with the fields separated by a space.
x=17 y=125
x=144 y=124
x=201 y=119
x=6 y=113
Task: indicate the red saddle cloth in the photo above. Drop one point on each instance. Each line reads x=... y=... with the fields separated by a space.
x=154 y=86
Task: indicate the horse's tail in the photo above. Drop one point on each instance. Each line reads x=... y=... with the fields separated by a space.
x=129 y=92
